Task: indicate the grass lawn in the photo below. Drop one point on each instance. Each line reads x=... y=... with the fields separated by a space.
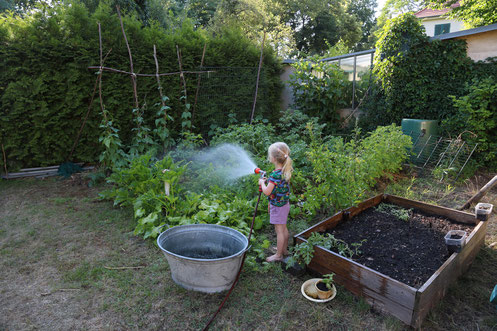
x=60 y=248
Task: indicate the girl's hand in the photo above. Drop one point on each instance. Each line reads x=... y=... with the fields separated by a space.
x=262 y=181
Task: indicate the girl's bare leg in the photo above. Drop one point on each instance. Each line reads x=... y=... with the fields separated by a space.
x=281 y=243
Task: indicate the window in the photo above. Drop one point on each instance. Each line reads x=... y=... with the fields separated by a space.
x=442 y=28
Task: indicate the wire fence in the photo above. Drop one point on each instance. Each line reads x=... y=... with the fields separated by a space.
x=441 y=157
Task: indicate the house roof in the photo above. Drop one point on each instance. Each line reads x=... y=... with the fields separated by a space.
x=428 y=12
x=462 y=33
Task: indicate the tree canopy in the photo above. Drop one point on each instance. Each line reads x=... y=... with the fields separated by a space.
x=473 y=13
x=292 y=27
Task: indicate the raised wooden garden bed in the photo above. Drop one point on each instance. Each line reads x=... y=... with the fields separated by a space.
x=407 y=303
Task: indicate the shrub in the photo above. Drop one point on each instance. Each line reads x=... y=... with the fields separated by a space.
x=477 y=117
x=343 y=171
x=320 y=90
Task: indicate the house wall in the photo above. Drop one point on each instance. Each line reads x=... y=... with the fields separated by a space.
x=481 y=45
x=429 y=24
x=287 y=92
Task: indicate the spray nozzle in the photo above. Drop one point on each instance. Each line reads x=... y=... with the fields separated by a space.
x=260 y=172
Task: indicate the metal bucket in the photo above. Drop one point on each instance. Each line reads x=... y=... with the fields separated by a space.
x=203 y=257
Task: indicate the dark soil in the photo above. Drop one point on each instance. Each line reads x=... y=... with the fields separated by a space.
x=408 y=251
x=455 y=236
x=322 y=286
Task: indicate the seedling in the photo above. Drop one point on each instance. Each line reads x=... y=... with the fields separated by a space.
x=328 y=280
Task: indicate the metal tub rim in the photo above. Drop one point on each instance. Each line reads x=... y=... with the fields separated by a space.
x=210 y=226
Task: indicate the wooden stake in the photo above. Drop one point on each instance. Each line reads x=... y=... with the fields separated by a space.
x=87 y=112
x=133 y=75
x=123 y=268
x=163 y=103
x=5 y=162
x=181 y=75
x=258 y=76
x=100 y=74
x=149 y=75
x=481 y=193
x=198 y=82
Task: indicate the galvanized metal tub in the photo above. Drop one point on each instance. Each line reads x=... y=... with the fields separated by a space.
x=203 y=257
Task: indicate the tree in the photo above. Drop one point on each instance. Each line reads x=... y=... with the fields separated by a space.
x=254 y=17
x=364 y=10
x=317 y=24
x=394 y=8
x=473 y=13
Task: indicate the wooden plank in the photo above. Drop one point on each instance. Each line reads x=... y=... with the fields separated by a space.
x=455 y=215
x=435 y=288
x=38 y=173
x=46 y=168
x=382 y=292
x=336 y=219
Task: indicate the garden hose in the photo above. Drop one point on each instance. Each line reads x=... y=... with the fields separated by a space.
x=239 y=270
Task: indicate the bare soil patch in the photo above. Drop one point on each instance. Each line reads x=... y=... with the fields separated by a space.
x=409 y=251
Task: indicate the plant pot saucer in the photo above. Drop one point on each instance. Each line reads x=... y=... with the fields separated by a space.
x=310 y=283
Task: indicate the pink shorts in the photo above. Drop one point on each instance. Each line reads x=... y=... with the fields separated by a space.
x=279 y=215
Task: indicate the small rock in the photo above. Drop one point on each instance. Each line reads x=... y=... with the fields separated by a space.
x=492 y=245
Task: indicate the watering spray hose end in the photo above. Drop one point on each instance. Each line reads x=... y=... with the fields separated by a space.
x=260 y=172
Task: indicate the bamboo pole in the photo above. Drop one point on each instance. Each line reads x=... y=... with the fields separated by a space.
x=133 y=75
x=87 y=112
x=198 y=83
x=163 y=103
x=100 y=74
x=149 y=75
x=5 y=162
x=258 y=76
x=181 y=75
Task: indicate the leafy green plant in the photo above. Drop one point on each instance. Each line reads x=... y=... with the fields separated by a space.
x=304 y=252
x=320 y=89
x=113 y=155
x=344 y=171
x=328 y=280
x=142 y=186
x=477 y=118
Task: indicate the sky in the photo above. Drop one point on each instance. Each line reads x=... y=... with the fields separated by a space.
x=381 y=3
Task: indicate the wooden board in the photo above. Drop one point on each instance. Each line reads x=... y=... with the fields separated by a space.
x=408 y=304
x=381 y=291
x=435 y=288
x=455 y=215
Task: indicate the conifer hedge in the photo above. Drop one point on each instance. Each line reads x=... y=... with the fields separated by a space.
x=46 y=86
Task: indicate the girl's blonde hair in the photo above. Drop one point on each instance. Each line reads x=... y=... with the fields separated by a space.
x=281 y=153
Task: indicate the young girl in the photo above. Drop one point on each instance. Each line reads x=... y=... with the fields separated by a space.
x=278 y=192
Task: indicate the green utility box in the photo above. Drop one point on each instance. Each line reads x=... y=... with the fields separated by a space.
x=424 y=135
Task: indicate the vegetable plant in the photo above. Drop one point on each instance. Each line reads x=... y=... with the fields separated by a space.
x=328 y=280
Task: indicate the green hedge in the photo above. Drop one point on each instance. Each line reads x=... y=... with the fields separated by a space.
x=45 y=86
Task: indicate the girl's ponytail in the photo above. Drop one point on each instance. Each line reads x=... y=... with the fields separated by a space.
x=281 y=153
x=287 y=168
